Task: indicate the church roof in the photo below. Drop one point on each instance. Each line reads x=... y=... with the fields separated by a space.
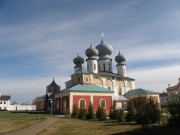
x=121 y=98
x=81 y=70
x=53 y=84
x=139 y=91
x=88 y=88
x=110 y=74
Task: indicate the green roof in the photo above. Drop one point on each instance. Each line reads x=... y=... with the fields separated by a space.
x=88 y=88
x=139 y=92
x=53 y=84
x=81 y=70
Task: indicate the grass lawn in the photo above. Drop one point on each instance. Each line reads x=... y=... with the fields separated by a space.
x=71 y=126
x=10 y=121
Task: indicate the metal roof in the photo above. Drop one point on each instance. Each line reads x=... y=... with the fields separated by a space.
x=139 y=91
x=81 y=70
x=88 y=88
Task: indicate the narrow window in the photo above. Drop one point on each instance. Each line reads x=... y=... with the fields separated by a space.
x=99 y=67
x=82 y=103
x=78 y=79
x=104 y=67
x=87 y=79
x=103 y=103
x=94 y=66
x=88 y=67
x=120 y=91
x=109 y=67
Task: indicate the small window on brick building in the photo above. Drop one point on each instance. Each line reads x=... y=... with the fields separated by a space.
x=103 y=103
x=82 y=103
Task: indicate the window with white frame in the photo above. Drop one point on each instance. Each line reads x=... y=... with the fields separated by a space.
x=82 y=103
x=103 y=103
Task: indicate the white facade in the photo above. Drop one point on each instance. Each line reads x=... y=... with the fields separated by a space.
x=4 y=104
x=92 y=66
x=121 y=69
x=105 y=65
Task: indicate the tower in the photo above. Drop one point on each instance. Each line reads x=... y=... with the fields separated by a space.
x=92 y=65
x=104 y=61
x=121 y=66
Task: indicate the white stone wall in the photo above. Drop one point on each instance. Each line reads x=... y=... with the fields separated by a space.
x=21 y=107
x=108 y=63
x=121 y=70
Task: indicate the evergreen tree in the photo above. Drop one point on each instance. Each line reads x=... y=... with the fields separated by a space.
x=174 y=109
x=120 y=116
x=101 y=114
x=74 y=111
x=147 y=112
x=82 y=113
x=113 y=113
x=130 y=112
x=90 y=114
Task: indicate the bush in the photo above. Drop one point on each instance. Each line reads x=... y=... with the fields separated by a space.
x=174 y=109
x=147 y=112
x=101 y=114
x=90 y=114
x=75 y=111
x=120 y=116
x=82 y=113
x=113 y=113
x=130 y=116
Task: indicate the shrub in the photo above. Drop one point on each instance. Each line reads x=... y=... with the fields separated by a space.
x=90 y=114
x=120 y=116
x=147 y=112
x=131 y=112
x=174 y=109
x=82 y=113
x=113 y=113
x=75 y=111
x=101 y=114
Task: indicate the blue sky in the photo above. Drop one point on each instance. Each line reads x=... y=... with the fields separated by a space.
x=39 y=39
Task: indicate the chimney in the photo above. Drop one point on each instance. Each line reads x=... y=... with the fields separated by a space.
x=169 y=86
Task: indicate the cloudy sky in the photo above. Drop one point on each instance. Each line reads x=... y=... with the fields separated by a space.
x=40 y=38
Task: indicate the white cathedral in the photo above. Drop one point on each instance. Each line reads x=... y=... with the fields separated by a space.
x=100 y=72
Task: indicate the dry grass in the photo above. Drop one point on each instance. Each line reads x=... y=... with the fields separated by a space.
x=13 y=121
x=72 y=126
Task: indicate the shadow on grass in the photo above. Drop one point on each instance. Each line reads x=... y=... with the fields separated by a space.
x=154 y=130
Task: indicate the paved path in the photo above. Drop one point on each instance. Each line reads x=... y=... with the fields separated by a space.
x=36 y=128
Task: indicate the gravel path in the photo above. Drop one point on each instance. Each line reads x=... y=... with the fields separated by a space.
x=36 y=128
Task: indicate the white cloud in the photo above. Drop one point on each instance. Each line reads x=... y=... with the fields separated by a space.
x=156 y=79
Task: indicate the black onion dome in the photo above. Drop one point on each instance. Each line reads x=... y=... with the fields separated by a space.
x=104 y=49
x=91 y=51
x=78 y=61
x=120 y=58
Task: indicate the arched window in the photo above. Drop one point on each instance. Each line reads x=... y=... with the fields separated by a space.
x=120 y=91
x=87 y=80
x=82 y=103
x=64 y=104
x=103 y=103
x=78 y=79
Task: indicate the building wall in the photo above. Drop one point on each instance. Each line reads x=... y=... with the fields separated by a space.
x=75 y=97
x=21 y=107
x=4 y=104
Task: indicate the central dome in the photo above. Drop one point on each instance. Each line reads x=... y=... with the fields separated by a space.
x=104 y=49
